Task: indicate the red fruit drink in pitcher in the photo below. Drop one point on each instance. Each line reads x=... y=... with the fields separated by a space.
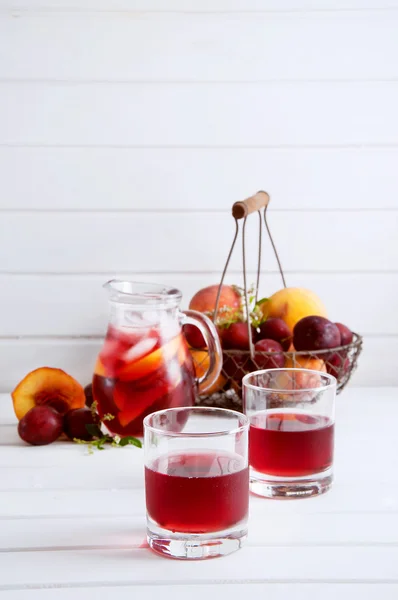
x=139 y=371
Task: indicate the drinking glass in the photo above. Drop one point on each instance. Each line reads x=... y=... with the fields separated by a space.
x=196 y=481
x=291 y=435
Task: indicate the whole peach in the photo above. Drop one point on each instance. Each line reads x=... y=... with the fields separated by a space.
x=205 y=300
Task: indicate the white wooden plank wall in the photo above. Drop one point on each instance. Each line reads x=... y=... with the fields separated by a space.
x=129 y=127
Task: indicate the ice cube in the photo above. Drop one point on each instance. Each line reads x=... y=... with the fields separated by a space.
x=143 y=347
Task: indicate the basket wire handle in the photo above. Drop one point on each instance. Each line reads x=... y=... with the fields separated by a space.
x=274 y=248
x=241 y=210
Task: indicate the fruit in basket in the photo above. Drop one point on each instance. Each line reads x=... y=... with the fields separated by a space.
x=292 y=304
x=194 y=337
x=236 y=336
x=315 y=333
x=75 y=422
x=299 y=380
x=47 y=387
x=204 y=301
x=274 y=359
x=201 y=362
x=345 y=333
x=236 y=366
x=41 y=425
x=306 y=362
x=338 y=365
x=276 y=329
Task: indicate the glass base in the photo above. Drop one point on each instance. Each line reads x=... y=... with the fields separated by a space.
x=269 y=486
x=194 y=546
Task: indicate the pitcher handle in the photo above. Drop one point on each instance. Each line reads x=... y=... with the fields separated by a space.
x=210 y=334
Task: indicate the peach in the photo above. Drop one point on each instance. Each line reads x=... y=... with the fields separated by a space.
x=205 y=301
x=306 y=362
x=47 y=387
x=201 y=361
x=292 y=304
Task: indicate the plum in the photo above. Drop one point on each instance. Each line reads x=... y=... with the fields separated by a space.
x=40 y=426
x=236 y=336
x=338 y=365
x=236 y=366
x=274 y=359
x=345 y=333
x=88 y=392
x=315 y=333
x=276 y=329
x=75 y=422
x=194 y=336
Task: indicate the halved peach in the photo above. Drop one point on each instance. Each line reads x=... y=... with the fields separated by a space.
x=139 y=402
x=50 y=387
x=151 y=362
x=99 y=368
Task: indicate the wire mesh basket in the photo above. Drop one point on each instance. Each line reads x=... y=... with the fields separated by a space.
x=227 y=392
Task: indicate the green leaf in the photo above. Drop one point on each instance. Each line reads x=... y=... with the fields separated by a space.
x=94 y=430
x=130 y=440
x=260 y=302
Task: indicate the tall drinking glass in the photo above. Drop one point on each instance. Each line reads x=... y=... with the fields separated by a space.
x=196 y=481
x=291 y=437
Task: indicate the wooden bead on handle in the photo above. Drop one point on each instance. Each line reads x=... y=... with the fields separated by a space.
x=245 y=207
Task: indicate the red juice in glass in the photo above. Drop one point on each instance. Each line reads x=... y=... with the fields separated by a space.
x=290 y=444
x=197 y=492
x=139 y=371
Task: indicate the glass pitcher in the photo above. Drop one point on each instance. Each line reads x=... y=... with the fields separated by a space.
x=144 y=364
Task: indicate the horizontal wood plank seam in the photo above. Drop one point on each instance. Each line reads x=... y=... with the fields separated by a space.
x=193 y=582
x=78 y=10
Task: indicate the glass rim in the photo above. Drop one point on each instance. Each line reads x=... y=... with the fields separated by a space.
x=141 y=292
x=330 y=378
x=196 y=435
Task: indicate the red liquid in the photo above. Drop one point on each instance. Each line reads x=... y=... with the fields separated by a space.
x=290 y=444
x=197 y=493
x=138 y=373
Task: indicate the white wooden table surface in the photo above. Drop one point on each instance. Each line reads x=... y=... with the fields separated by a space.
x=72 y=525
